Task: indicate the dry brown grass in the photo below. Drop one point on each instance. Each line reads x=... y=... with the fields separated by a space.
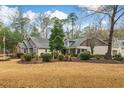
x=61 y=74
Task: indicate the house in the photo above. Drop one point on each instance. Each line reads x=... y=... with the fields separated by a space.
x=74 y=46
x=35 y=45
x=118 y=47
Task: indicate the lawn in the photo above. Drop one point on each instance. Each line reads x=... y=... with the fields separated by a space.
x=61 y=74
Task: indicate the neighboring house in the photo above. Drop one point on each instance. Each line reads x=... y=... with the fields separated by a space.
x=83 y=44
x=118 y=47
x=33 y=45
x=76 y=46
x=73 y=46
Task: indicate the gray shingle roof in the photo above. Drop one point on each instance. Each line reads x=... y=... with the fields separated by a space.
x=40 y=42
x=73 y=43
x=117 y=43
x=77 y=42
x=27 y=44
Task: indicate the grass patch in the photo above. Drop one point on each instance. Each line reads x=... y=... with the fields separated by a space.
x=61 y=74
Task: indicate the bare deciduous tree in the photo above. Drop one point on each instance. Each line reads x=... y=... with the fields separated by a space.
x=114 y=13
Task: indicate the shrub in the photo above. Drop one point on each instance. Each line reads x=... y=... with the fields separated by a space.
x=118 y=57
x=46 y=57
x=41 y=55
x=99 y=56
x=55 y=55
x=66 y=58
x=19 y=55
x=37 y=57
x=28 y=57
x=33 y=55
x=61 y=57
x=74 y=55
x=84 y=56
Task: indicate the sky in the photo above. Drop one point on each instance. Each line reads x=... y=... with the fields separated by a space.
x=60 y=11
x=44 y=8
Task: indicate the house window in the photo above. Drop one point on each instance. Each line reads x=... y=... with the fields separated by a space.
x=46 y=50
x=31 y=50
x=25 y=51
x=83 y=50
x=123 y=43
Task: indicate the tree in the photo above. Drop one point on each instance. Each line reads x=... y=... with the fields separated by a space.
x=39 y=23
x=35 y=32
x=19 y=22
x=72 y=18
x=90 y=33
x=43 y=21
x=56 y=40
x=12 y=38
x=114 y=13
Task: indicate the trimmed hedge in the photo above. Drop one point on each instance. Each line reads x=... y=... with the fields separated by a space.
x=46 y=57
x=84 y=56
x=118 y=57
x=61 y=57
x=28 y=57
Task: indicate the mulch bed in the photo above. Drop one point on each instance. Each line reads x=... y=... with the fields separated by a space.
x=74 y=59
x=104 y=61
x=30 y=62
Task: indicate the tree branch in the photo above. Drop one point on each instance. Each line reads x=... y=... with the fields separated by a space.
x=100 y=12
x=118 y=17
x=120 y=10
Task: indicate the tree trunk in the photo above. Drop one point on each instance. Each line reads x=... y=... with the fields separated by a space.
x=108 y=55
x=92 y=45
x=46 y=34
x=72 y=30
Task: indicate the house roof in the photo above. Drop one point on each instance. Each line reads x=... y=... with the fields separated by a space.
x=40 y=42
x=77 y=42
x=27 y=44
x=118 y=43
x=73 y=43
x=21 y=45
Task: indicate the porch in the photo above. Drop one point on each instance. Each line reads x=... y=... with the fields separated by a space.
x=74 y=50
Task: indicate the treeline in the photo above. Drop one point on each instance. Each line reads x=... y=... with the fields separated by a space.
x=21 y=27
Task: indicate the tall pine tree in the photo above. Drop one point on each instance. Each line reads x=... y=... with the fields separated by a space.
x=56 y=42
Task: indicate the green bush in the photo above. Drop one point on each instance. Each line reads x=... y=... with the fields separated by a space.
x=74 y=55
x=46 y=57
x=55 y=55
x=84 y=56
x=68 y=57
x=28 y=57
x=118 y=57
x=61 y=57
x=19 y=55
x=41 y=55
x=33 y=55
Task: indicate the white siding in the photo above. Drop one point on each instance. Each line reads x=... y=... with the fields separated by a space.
x=42 y=51
x=122 y=52
x=100 y=50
